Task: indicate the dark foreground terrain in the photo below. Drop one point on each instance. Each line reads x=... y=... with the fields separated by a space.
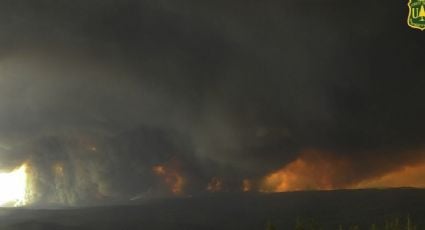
x=233 y=211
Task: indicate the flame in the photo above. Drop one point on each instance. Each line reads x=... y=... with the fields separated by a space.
x=159 y=170
x=318 y=170
x=58 y=169
x=407 y=176
x=215 y=185
x=13 y=187
x=172 y=178
x=311 y=170
x=246 y=185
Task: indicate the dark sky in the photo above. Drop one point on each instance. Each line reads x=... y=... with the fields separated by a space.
x=108 y=89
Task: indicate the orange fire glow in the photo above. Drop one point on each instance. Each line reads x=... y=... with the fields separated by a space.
x=311 y=170
x=324 y=171
x=159 y=170
x=246 y=185
x=172 y=178
x=215 y=185
x=408 y=176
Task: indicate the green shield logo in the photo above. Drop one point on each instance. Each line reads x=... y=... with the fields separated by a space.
x=416 y=18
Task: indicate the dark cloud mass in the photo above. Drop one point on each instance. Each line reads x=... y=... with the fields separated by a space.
x=94 y=94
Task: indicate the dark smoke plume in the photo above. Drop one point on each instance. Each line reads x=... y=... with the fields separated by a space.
x=95 y=94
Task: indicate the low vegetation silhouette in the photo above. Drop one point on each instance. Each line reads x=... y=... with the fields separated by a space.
x=395 y=223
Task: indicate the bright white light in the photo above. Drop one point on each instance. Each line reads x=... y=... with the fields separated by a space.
x=13 y=186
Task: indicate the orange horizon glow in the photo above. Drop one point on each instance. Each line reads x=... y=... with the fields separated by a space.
x=408 y=176
x=315 y=170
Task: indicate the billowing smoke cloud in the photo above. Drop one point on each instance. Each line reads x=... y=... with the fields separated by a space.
x=119 y=100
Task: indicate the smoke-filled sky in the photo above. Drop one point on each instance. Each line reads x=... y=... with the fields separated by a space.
x=112 y=100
